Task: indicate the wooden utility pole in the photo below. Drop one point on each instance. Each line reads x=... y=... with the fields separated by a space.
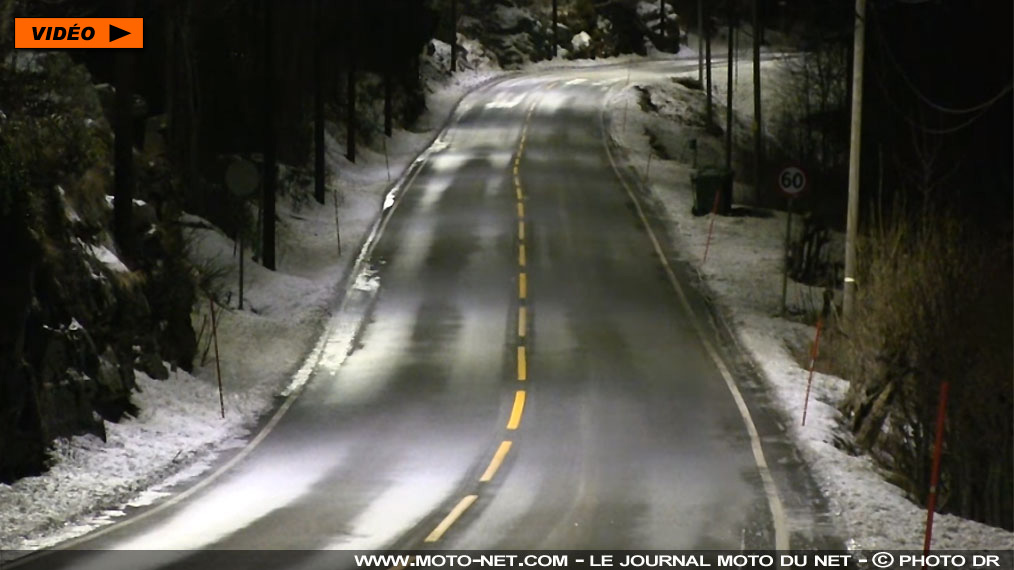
x=270 y=158
x=758 y=124
x=852 y=223
x=318 y=106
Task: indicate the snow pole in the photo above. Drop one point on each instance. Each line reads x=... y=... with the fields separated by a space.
x=814 y=351
x=931 y=501
x=711 y=227
x=218 y=365
x=387 y=160
x=337 y=222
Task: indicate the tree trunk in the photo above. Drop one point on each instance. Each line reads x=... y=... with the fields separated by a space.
x=124 y=145
x=555 y=25
x=318 y=108
x=758 y=124
x=270 y=158
x=728 y=94
x=661 y=18
x=181 y=94
x=707 y=69
x=350 y=105
x=388 y=103
x=454 y=35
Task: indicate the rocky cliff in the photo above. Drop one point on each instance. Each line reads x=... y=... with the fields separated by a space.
x=77 y=317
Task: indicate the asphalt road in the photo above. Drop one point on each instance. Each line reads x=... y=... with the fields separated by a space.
x=527 y=375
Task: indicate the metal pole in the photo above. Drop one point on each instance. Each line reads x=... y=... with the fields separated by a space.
x=785 y=263
x=854 y=149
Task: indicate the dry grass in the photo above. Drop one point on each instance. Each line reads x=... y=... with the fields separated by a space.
x=933 y=305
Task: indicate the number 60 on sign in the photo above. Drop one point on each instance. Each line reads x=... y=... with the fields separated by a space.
x=792 y=181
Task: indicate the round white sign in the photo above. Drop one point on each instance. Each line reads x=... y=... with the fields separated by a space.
x=792 y=181
x=241 y=177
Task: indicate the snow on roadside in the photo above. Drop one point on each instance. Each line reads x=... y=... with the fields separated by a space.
x=743 y=269
x=178 y=425
x=179 y=433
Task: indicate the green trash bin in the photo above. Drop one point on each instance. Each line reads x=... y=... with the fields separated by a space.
x=708 y=181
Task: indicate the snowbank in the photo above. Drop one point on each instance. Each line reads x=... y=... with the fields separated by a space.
x=179 y=432
x=743 y=270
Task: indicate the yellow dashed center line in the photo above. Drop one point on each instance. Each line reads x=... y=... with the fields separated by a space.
x=495 y=463
x=517 y=410
x=519 y=397
x=452 y=516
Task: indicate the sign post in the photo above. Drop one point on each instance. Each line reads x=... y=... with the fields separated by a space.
x=241 y=178
x=792 y=182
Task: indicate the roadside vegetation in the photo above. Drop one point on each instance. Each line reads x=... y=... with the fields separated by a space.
x=934 y=306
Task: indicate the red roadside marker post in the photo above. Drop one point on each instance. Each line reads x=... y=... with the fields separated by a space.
x=792 y=182
x=218 y=365
x=931 y=502
x=814 y=351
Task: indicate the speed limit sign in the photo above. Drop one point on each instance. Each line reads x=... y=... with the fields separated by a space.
x=792 y=181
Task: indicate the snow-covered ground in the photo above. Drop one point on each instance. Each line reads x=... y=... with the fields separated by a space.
x=179 y=433
x=743 y=270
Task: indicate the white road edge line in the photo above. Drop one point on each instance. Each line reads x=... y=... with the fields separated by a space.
x=292 y=392
x=771 y=490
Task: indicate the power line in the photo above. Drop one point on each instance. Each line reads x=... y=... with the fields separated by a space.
x=916 y=123
x=929 y=102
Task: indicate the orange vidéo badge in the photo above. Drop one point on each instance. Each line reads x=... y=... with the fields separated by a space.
x=71 y=33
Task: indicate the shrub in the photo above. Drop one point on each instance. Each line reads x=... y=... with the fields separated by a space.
x=933 y=304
